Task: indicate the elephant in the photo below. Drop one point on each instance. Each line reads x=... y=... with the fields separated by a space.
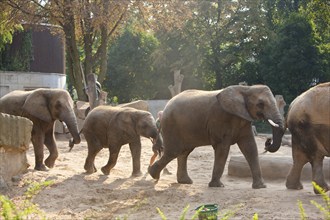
x=43 y=107
x=219 y=118
x=308 y=120
x=111 y=127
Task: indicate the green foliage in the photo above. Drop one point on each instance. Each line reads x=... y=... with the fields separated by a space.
x=182 y=217
x=35 y=188
x=7 y=26
x=161 y=213
x=290 y=62
x=10 y=211
x=323 y=208
x=130 y=73
x=17 y=58
x=303 y=215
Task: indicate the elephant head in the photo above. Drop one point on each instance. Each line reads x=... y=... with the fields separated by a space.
x=50 y=105
x=254 y=103
x=146 y=127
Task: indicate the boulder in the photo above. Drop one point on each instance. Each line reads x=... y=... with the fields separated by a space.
x=15 y=137
x=139 y=104
x=272 y=167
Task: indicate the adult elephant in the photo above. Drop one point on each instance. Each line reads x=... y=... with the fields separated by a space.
x=111 y=127
x=43 y=107
x=219 y=118
x=308 y=120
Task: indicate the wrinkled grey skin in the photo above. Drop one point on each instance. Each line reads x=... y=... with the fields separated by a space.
x=308 y=120
x=219 y=118
x=111 y=127
x=43 y=107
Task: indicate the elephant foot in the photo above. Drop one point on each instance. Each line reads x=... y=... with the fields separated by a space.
x=216 y=183
x=293 y=185
x=49 y=163
x=258 y=185
x=153 y=171
x=105 y=170
x=166 y=171
x=90 y=170
x=325 y=188
x=40 y=167
x=184 y=180
x=137 y=174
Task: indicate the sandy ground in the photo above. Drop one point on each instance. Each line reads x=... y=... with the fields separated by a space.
x=75 y=195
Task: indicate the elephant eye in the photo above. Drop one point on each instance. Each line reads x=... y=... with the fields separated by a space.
x=260 y=104
x=58 y=105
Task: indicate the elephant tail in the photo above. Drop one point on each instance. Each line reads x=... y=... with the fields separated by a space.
x=71 y=142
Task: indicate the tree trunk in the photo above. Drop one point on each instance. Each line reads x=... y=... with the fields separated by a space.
x=178 y=78
x=75 y=73
x=91 y=91
x=103 y=54
x=86 y=26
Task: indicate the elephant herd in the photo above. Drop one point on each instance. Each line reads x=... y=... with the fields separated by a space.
x=191 y=119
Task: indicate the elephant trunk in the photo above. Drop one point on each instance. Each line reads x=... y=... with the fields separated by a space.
x=157 y=146
x=71 y=121
x=278 y=129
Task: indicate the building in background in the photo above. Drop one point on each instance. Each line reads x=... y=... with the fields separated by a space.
x=46 y=67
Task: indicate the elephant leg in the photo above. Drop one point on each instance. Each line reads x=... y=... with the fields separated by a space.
x=51 y=146
x=248 y=147
x=159 y=165
x=135 y=148
x=221 y=152
x=299 y=160
x=182 y=173
x=113 y=156
x=37 y=139
x=318 y=177
x=89 y=163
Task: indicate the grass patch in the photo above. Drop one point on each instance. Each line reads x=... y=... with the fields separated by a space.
x=26 y=209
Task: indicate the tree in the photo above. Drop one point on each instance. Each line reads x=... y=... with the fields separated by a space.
x=88 y=26
x=227 y=33
x=290 y=63
x=131 y=74
x=8 y=25
x=318 y=13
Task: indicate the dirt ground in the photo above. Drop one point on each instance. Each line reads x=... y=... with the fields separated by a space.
x=75 y=195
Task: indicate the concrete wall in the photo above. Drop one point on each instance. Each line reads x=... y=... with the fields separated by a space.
x=10 y=81
x=156 y=105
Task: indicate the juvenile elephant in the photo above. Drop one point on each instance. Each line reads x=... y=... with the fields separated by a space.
x=308 y=120
x=43 y=107
x=219 y=118
x=112 y=127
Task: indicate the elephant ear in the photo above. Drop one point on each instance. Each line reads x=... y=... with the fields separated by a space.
x=232 y=100
x=36 y=105
x=125 y=122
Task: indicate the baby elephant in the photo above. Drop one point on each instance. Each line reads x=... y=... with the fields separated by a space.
x=112 y=127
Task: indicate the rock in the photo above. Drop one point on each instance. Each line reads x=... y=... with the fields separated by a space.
x=15 y=132
x=16 y=179
x=139 y=104
x=81 y=109
x=272 y=167
x=3 y=184
x=15 y=137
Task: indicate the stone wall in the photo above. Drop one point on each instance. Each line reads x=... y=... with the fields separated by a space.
x=15 y=137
